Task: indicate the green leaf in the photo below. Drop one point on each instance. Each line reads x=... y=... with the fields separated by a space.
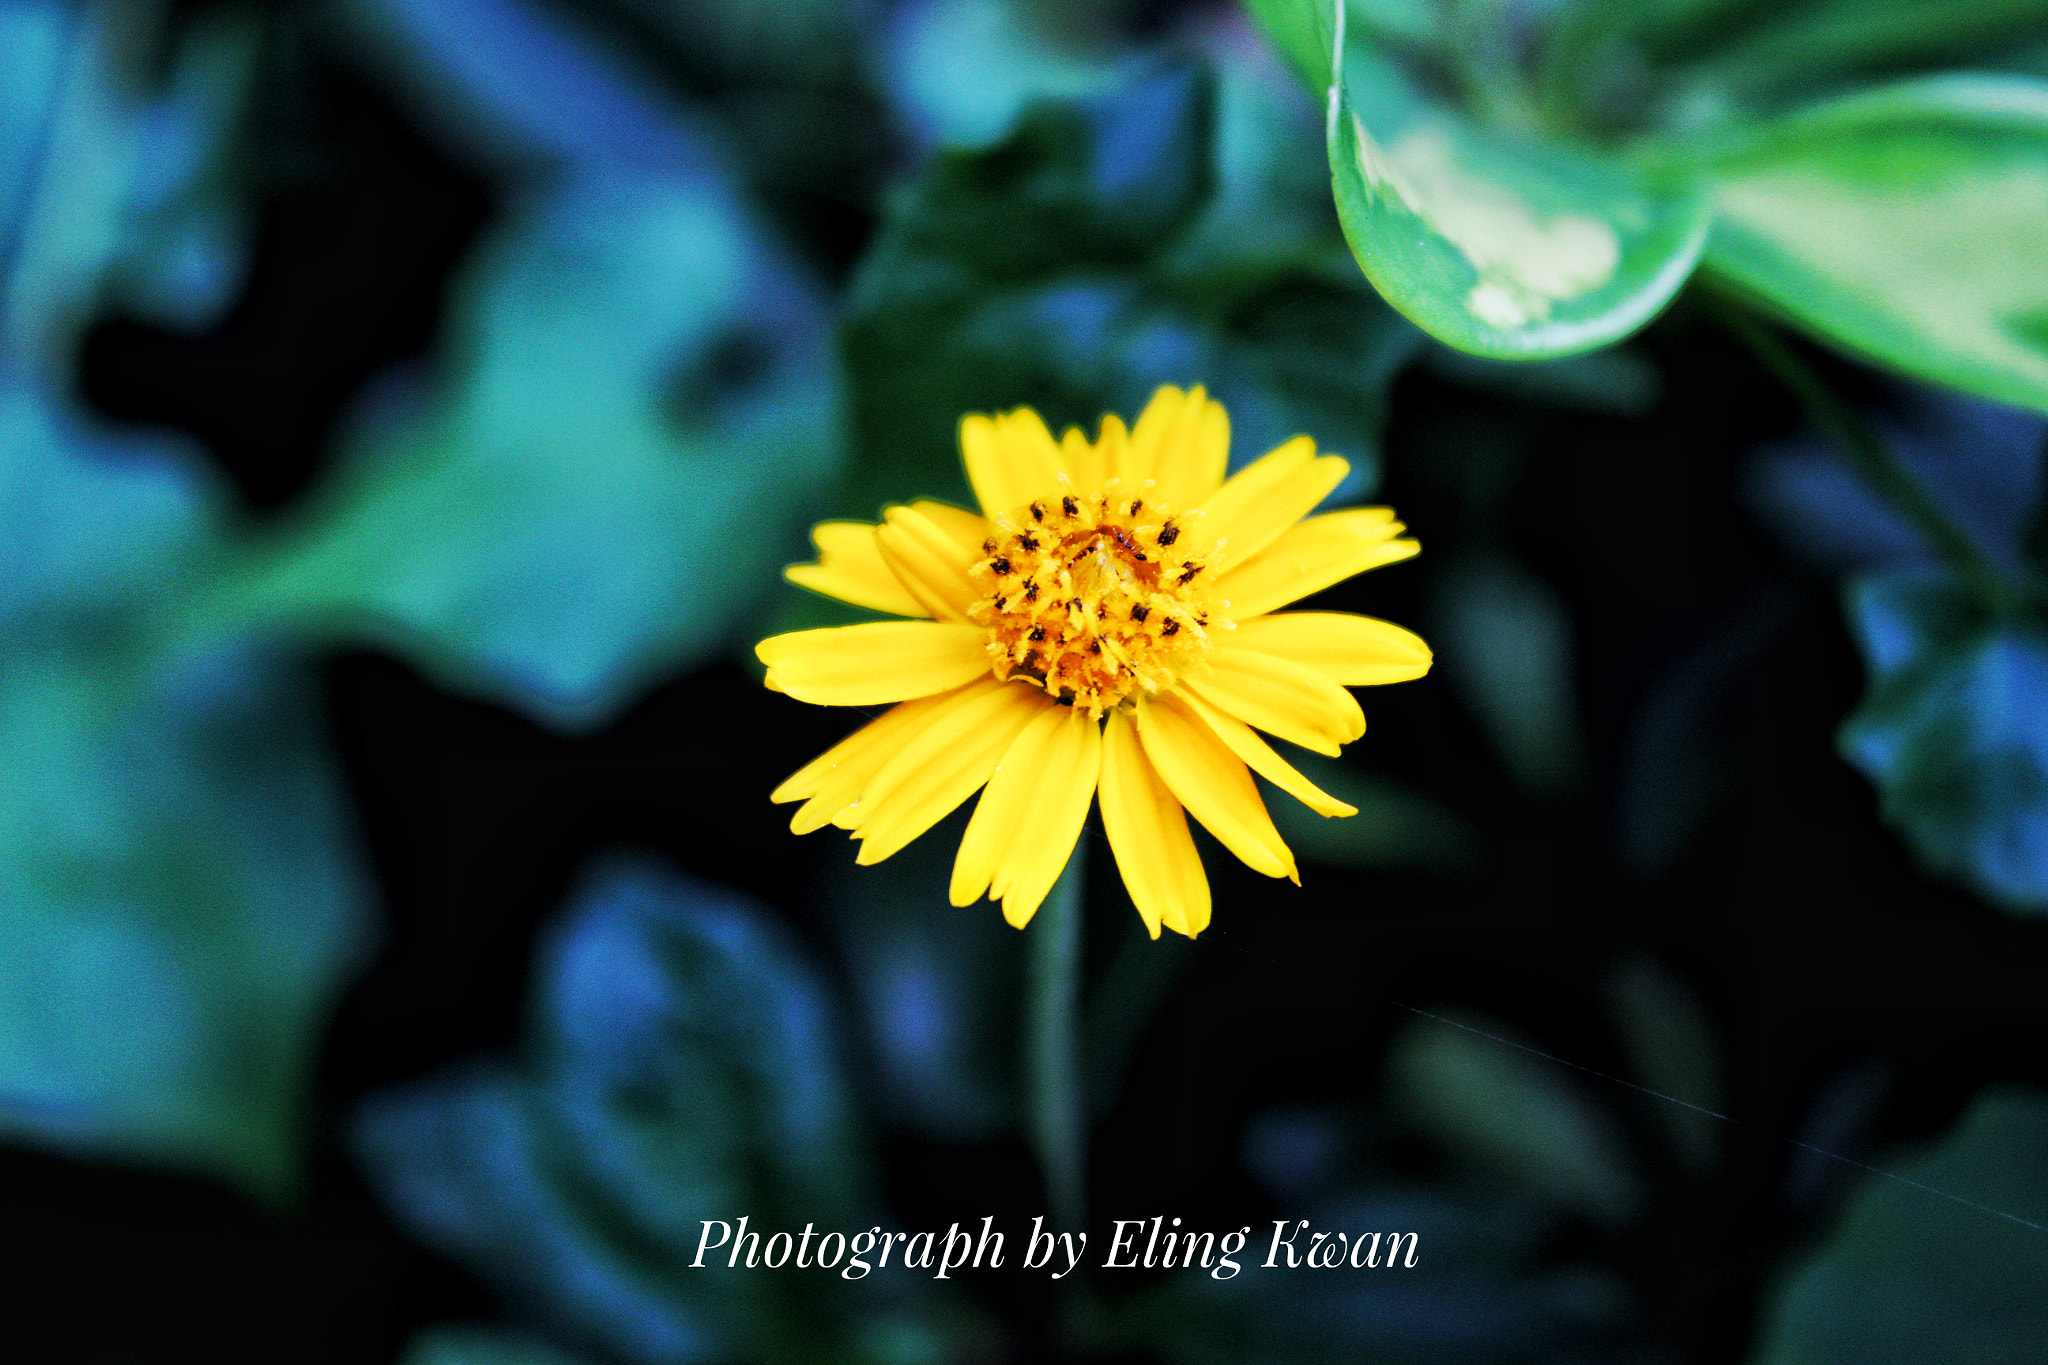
x=1905 y=225
x=682 y=1064
x=1089 y=259
x=1514 y=1113
x=1303 y=32
x=1819 y=41
x=1396 y=826
x=1952 y=730
x=468 y=1345
x=1503 y=246
x=1674 y=1048
x=179 y=906
x=639 y=412
x=1507 y=641
x=1912 y=1275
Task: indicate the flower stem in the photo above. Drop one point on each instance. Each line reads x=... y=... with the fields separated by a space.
x=1874 y=460
x=1053 y=1008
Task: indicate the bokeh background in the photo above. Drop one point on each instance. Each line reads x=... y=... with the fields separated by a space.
x=406 y=407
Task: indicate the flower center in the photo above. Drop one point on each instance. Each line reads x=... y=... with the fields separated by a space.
x=1094 y=596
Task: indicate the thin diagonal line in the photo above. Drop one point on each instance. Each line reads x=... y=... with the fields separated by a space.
x=1213 y=935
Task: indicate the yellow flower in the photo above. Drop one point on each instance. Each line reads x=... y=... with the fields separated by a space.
x=1106 y=629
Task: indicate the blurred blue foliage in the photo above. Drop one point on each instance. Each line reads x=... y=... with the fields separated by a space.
x=962 y=70
x=1104 y=247
x=179 y=905
x=598 y=486
x=682 y=1063
x=179 y=898
x=1954 y=728
x=634 y=413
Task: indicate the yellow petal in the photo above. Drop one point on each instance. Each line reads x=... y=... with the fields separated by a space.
x=1259 y=756
x=1141 y=453
x=882 y=661
x=1030 y=815
x=1043 y=846
x=928 y=562
x=1077 y=453
x=1092 y=466
x=967 y=530
x=1281 y=697
x=1269 y=495
x=1149 y=835
x=1211 y=781
x=1001 y=809
x=1010 y=458
x=850 y=567
x=1182 y=441
x=1311 y=555
x=941 y=766
x=833 y=779
x=1357 y=651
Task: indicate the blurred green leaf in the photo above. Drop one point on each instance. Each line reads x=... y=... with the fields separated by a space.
x=1675 y=1048
x=1914 y=1276
x=1068 y=269
x=1480 y=1293
x=1396 y=826
x=1506 y=642
x=1303 y=32
x=1516 y=1114
x=178 y=908
x=1488 y=1285
x=1953 y=730
x=681 y=1063
x=1503 y=246
x=1906 y=225
x=1821 y=41
x=637 y=414
x=482 y=1346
